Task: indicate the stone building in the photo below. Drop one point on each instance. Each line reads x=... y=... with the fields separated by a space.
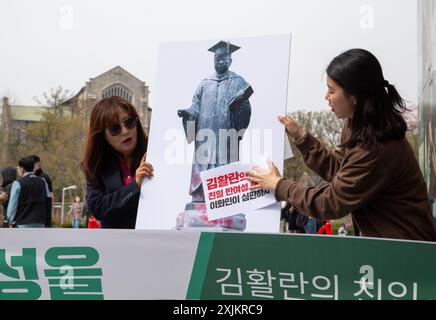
x=16 y=118
x=115 y=82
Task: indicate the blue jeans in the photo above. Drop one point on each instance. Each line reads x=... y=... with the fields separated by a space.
x=76 y=223
x=311 y=226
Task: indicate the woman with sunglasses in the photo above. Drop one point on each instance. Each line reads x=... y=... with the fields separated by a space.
x=373 y=174
x=115 y=163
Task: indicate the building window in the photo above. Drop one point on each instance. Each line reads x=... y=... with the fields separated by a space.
x=117 y=90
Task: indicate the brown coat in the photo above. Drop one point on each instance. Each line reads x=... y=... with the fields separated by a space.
x=76 y=210
x=382 y=186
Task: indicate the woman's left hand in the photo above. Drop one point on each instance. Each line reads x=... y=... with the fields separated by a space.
x=264 y=178
x=145 y=169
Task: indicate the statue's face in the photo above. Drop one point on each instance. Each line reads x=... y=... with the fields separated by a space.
x=222 y=63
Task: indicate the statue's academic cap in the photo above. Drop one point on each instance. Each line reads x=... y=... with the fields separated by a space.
x=227 y=46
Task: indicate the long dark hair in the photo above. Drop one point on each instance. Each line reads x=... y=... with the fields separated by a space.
x=105 y=114
x=378 y=115
x=9 y=175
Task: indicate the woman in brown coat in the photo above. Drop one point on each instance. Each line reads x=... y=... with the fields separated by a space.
x=373 y=174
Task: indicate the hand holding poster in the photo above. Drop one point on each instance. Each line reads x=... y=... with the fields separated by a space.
x=227 y=192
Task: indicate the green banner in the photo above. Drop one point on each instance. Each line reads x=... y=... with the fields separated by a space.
x=265 y=266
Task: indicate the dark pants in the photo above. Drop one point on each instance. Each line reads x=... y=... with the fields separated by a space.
x=48 y=213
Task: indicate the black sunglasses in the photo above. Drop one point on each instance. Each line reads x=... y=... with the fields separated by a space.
x=128 y=123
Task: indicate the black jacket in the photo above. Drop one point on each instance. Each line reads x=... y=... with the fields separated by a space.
x=47 y=179
x=32 y=200
x=114 y=205
x=9 y=175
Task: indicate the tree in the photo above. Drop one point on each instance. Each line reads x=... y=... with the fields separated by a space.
x=411 y=117
x=55 y=99
x=58 y=139
x=324 y=126
x=327 y=128
x=59 y=144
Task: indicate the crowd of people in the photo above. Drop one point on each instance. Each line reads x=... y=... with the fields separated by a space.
x=385 y=195
x=26 y=195
x=27 y=200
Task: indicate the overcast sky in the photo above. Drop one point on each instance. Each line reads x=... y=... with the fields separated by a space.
x=48 y=43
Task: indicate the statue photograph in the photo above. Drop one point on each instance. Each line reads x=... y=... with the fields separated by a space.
x=215 y=103
x=220 y=104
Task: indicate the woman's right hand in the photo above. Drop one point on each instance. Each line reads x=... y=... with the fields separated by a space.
x=292 y=128
x=145 y=169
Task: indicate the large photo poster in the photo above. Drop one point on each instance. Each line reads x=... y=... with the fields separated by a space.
x=427 y=96
x=216 y=103
x=429 y=125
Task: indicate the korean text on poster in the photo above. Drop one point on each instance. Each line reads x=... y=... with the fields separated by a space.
x=226 y=191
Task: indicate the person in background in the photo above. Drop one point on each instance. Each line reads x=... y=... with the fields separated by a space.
x=3 y=199
x=297 y=221
x=313 y=225
x=29 y=196
x=374 y=173
x=433 y=209
x=85 y=215
x=40 y=173
x=9 y=175
x=76 y=212
x=2 y=217
x=343 y=230
x=114 y=163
